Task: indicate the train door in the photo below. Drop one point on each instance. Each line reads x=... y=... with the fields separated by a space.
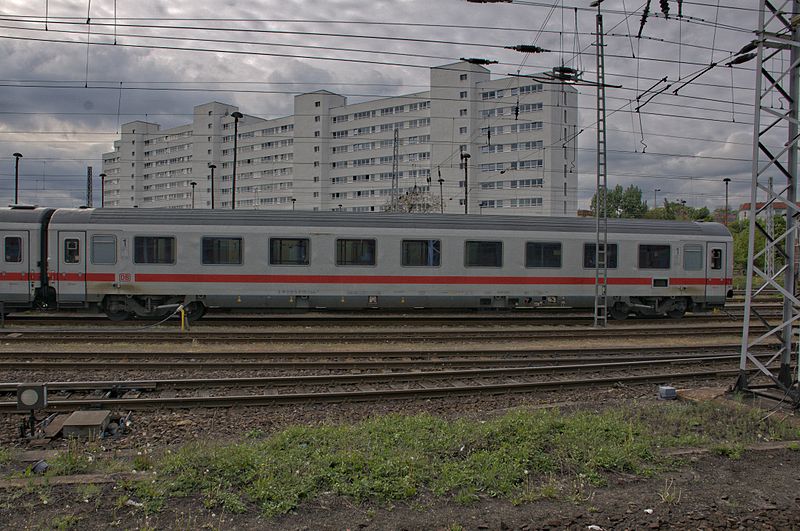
x=15 y=284
x=71 y=277
x=715 y=269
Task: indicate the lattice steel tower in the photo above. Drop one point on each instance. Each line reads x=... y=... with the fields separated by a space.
x=775 y=137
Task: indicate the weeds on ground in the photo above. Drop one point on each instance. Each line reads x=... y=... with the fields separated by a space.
x=521 y=456
x=67 y=521
x=670 y=494
x=5 y=455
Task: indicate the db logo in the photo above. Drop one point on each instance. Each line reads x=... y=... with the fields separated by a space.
x=124 y=277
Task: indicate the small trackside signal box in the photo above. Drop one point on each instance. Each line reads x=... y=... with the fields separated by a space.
x=31 y=396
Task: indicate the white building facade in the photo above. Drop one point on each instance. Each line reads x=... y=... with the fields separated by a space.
x=520 y=135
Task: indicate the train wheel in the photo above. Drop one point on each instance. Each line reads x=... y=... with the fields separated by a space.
x=195 y=310
x=118 y=315
x=619 y=312
x=677 y=313
x=115 y=310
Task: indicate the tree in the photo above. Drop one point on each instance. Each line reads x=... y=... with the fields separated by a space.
x=621 y=203
x=414 y=200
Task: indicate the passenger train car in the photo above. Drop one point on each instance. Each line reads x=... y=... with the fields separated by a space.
x=143 y=262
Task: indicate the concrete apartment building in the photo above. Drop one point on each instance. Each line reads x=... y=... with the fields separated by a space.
x=519 y=134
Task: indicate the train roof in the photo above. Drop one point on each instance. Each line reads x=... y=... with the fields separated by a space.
x=23 y=214
x=170 y=217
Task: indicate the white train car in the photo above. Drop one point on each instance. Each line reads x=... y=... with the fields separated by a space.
x=22 y=270
x=138 y=262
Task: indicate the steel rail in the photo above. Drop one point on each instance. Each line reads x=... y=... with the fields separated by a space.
x=365 y=319
x=327 y=379
x=371 y=335
x=463 y=360
x=19 y=356
x=371 y=395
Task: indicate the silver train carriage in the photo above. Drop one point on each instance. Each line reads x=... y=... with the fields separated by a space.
x=143 y=262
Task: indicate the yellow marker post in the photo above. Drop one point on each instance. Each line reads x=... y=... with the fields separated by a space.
x=183 y=317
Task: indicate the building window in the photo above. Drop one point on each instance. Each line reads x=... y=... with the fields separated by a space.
x=588 y=255
x=316 y=163
x=316 y=149
x=288 y=251
x=317 y=104
x=13 y=245
x=462 y=112
x=463 y=77
x=422 y=253
x=154 y=250
x=462 y=94
x=316 y=133
x=693 y=257
x=543 y=254
x=104 y=249
x=654 y=256
x=72 y=251
x=355 y=252
x=483 y=254
x=316 y=118
x=222 y=251
x=462 y=130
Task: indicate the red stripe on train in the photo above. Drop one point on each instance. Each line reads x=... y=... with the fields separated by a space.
x=389 y=279
x=359 y=279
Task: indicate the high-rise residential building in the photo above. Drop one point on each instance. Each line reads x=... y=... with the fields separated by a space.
x=519 y=133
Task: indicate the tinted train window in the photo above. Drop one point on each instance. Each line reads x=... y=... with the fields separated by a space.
x=104 y=249
x=288 y=251
x=13 y=249
x=422 y=253
x=72 y=251
x=483 y=254
x=588 y=255
x=154 y=250
x=716 y=258
x=222 y=251
x=355 y=252
x=543 y=254
x=654 y=256
x=692 y=257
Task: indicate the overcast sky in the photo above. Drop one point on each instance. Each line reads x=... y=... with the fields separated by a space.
x=62 y=102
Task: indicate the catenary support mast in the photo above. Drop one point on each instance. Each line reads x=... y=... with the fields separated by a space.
x=600 y=203
x=774 y=154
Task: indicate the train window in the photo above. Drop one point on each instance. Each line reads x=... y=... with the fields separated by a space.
x=588 y=255
x=355 y=252
x=104 y=249
x=288 y=251
x=653 y=256
x=543 y=254
x=716 y=258
x=692 y=257
x=153 y=250
x=483 y=254
x=72 y=251
x=13 y=249
x=422 y=253
x=222 y=251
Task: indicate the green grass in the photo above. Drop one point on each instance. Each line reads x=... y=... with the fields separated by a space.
x=520 y=456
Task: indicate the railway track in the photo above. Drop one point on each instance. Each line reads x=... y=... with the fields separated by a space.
x=542 y=317
x=370 y=335
x=432 y=388
x=346 y=360
x=598 y=366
